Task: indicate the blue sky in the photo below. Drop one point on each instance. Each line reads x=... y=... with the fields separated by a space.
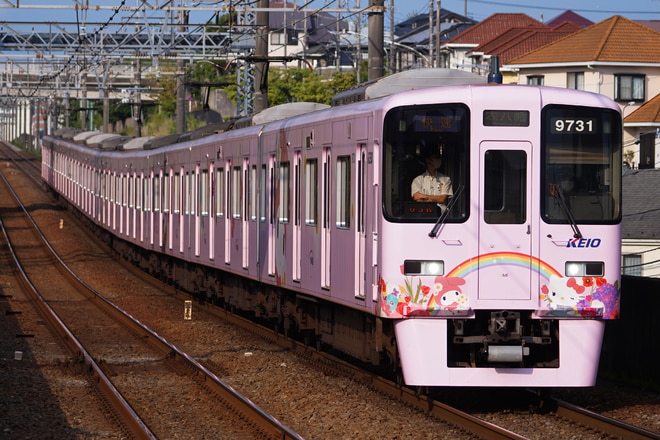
x=595 y=10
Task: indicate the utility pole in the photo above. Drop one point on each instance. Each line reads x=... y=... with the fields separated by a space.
x=375 y=51
x=261 y=55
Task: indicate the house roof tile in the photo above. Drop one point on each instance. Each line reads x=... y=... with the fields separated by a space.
x=571 y=16
x=518 y=41
x=647 y=112
x=608 y=41
x=492 y=26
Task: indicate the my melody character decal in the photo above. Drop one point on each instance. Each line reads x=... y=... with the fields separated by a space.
x=581 y=296
x=413 y=298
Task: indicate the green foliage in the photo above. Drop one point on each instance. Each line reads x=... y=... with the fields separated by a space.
x=297 y=85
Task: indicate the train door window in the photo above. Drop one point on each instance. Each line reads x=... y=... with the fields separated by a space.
x=166 y=192
x=262 y=194
x=418 y=141
x=253 y=193
x=186 y=194
x=204 y=193
x=344 y=192
x=176 y=199
x=124 y=190
x=283 y=208
x=220 y=192
x=157 y=181
x=139 y=188
x=247 y=189
x=311 y=192
x=148 y=195
x=236 y=187
x=130 y=191
x=505 y=187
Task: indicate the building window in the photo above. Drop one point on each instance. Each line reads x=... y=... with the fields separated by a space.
x=632 y=265
x=575 y=80
x=288 y=37
x=629 y=87
x=535 y=80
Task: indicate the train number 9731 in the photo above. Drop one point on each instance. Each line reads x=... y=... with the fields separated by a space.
x=572 y=125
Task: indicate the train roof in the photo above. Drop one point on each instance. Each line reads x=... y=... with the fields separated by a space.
x=407 y=80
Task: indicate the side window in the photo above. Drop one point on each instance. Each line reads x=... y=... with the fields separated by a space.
x=629 y=87
x=535 y=80
x=575 y=80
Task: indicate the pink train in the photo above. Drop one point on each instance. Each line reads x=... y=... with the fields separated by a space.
x=303 y=216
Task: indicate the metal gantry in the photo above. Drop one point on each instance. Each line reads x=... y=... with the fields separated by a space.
x=94 y=54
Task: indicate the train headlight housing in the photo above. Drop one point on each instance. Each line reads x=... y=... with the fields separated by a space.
x=424 y=267
x=584 y=269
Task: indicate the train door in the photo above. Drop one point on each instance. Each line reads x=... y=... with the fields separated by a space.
x=297 y=172
x=245 y=219
x=272 y=212
x=505 y=238
x=196 y=207
x=228 y=190
x=325 y=219
x=360 y=229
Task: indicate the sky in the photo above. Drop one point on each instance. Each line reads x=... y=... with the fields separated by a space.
x=595 y=10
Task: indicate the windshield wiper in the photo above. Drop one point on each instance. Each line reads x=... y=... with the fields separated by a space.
x=444 y=214
x=557 y=193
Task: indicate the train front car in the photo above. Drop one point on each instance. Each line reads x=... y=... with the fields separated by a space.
x=510 y=281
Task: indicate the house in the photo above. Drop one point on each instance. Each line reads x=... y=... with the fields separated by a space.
x=571 y=17
x=296 y=35
x=518 y=41
x=455 y=53
x=640 y=238
x=411 y=47
x=600 y=59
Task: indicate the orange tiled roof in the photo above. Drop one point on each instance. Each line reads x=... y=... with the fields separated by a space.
x=649 y=112
x=519 y=41
x=615 y=39
x=493 y=26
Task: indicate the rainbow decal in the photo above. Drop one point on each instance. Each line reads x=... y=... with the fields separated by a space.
x=508 y=258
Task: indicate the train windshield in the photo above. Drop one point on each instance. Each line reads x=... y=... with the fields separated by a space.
x=581 y=153
x=425 y=158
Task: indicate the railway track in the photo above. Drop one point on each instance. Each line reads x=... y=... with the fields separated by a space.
x=112 y=348
x=475 y=426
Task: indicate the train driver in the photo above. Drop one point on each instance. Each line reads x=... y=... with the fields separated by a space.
x=432 y=185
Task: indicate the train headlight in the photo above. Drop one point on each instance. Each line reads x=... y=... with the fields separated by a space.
x=584 y=269
x=424 y=267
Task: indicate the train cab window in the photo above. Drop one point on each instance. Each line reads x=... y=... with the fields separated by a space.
x=581 y=169
x=413 y=138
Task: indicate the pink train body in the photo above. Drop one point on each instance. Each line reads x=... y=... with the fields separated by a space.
x=510 y=286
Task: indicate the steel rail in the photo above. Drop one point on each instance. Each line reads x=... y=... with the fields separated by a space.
x=124 y=412
x=603 y=423
x=259 y=417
